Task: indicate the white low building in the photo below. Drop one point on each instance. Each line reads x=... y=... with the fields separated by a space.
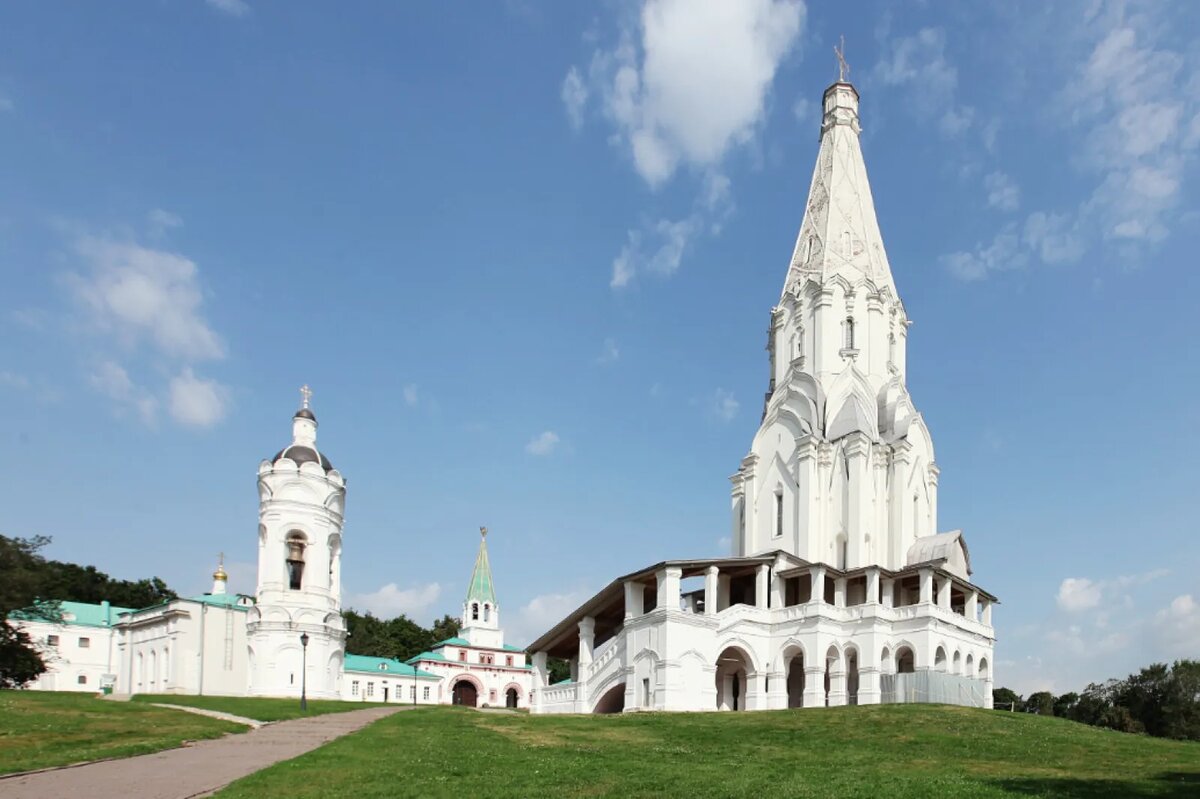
x=841 y=589
x=290 y=637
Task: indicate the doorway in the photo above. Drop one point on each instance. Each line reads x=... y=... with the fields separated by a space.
x=465 y=694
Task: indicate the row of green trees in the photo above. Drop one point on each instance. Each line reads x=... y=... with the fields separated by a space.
x=1160 y=700
x=400 y=638
x=34 y=585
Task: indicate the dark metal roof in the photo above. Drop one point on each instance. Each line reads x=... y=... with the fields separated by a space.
x=301 y=454
x=305 y=413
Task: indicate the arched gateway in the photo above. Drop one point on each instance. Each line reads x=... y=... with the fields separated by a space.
x=464 y=692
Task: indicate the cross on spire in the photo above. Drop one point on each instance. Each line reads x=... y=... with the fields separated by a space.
x=305 y=395
x=843 y=67
x=483 y=532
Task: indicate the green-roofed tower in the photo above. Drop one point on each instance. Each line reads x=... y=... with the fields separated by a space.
x=481 y=613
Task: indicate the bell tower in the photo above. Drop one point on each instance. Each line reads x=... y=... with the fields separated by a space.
x=295 y=630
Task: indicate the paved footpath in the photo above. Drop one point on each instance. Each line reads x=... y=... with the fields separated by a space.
x=198 y=769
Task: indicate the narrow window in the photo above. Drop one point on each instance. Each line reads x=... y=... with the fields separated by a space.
x=808 y=248
x=849 y=332
x=487 y=612
x=413 y=693
x=425 y=693
x=891 y=348
x=778 y=512
x=462 y=655
x=916 y=517
x=842 y=554
x=85 y=643
x=354 y=688
x=370 y=689
x=474 y=611
x=846 y=243
x=508 y=661
x=295 y=561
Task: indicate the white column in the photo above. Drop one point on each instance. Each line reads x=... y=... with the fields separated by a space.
x=805 y=510
x=777 y=690
x=943 y=595
x=762 y=585
x=873 y=586
x=814 y=683
x=583 y=662
x=971 y=610
x=756 y=691
x=818 y=583
x=540 y=679
x=634 y=596
x=710 y=590
x=858 y=448
x=777 y=586
x=839 y=592
x=889 y=592
x=837 y=683
x=723 y=590
x=986 y=616
x=926 y=585
x=668 y=587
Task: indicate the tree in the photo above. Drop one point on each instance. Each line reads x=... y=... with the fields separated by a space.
x=1181 y=703
x=445 y=627
x=22 y=591
x=1007 y=699
x=1063 y=705
x=1041 y=703
x=557 y=670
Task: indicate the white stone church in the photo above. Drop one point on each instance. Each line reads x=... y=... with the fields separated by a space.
x=841 y=590
x=289 y=637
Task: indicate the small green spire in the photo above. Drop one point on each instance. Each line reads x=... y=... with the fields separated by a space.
x=481 y=588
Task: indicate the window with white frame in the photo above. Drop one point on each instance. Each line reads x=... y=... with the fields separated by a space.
x=370 y=689
x=425 y=693
x=354 y=688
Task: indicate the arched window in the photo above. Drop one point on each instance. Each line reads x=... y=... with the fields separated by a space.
x=800 y=342
x=916 y=517
x=849 y=332
x=296 y=544
x=474 y=611
x=778 y=512
x=487 y=612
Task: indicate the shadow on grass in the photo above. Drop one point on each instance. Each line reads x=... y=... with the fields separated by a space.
x=1173 y=785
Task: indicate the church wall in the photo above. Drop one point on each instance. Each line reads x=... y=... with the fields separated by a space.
x=70 y=661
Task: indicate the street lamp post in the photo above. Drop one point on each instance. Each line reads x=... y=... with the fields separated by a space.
x=304 y=671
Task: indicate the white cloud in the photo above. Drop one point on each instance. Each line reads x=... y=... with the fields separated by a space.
x=197 y=402
x=919 y=63
x=234 y=8
x=1001 y=254
x=411 y=398
x=161 y=221
x=391 y=600
x=691 y=82
x=537 y=616
x=610 y=353
x=143 y=293
x=1078 y=593
x=1003 y=193
x=111 y=380
x=1054 y=238
x=543 y=443
x=656 y=248
x=1177 y=627
x=722 y=405
x=574 y=97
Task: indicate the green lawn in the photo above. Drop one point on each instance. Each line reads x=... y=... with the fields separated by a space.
x=258 y=708
x=39 y=729
x=883 y=751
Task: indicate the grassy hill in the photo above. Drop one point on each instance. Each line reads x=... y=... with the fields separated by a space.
x=40 y=729
x=881 y=751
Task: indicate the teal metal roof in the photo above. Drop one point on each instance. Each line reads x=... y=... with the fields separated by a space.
x=84 y=614
x=427 y=656
x=223 y=600
x=481 y=588
x=455 y=641
x=385 y=666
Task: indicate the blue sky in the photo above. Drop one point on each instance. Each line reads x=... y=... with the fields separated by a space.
x=525 y=255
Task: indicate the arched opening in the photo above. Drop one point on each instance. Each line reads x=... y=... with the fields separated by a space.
x=464 y=693
x=734 y=669
x=153 y=668
x=296 y=544
x=956 y=664
x=795 y=677
x=779 y=511
x=852 y=677
x=970 y=672
x=849 y=332
x=487 y=612
x=886 y=666
x=832 y=664
x=612 y=701
x=474 y=611
x=510 y=698
x=939 y=660
x=983 y=669
x=905 y=661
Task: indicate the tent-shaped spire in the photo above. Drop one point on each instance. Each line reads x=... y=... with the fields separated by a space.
x=481 y=588
x=840 y=234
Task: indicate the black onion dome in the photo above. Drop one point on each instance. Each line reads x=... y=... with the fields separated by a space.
x=302 y=454
x=305 y=413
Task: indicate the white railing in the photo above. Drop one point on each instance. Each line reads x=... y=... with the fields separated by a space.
x=559 y=698
x=607 y=653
